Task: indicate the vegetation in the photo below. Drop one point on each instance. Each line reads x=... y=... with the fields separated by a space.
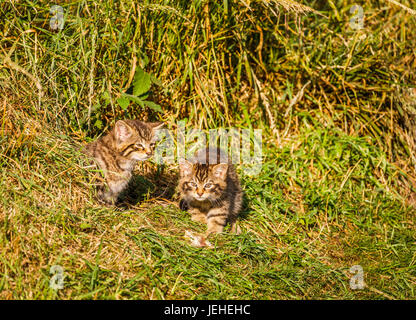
x=337 y=110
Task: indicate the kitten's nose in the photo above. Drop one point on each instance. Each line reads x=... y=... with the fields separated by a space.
x=200 y=193
x=148 y=153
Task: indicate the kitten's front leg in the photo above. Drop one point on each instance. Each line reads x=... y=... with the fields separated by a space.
x=216 y=220
x=110 y=196
x=106 y=197
x=197 y=215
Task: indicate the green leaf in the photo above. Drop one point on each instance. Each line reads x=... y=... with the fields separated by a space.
x=153 y=106
x=144 y=96
x=98 y=124
x=106 y=97
x=137 y=100
x=123 y=102
x=141 y=82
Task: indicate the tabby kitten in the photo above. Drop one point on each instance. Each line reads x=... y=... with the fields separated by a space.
x=118 y=152
x=210 y=187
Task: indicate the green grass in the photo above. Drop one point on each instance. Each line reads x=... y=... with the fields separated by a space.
x=337 y=182
x=304 y=224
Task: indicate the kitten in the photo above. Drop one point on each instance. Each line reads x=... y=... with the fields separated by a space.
x=210 y=187
x=118 y=152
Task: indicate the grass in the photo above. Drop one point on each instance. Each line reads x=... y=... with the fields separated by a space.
x=337 y=182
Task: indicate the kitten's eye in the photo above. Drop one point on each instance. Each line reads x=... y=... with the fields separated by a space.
x=192 y=184
x=139 y=146
x=208 y=185
x=152 y=145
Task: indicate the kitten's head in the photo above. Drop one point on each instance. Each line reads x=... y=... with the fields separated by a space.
x=202 y=181
x=135 y=139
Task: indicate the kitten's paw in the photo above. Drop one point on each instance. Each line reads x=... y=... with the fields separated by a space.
x=213 y=229
x=105 y=202
x=235 y=229
x=105 y=199
x=199 y=218
x=197 y=241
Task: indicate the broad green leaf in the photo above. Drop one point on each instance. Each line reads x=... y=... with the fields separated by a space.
x=141 y=82
x=144 y=96
x=139 y=101
x=153 y=106
x=123 y=102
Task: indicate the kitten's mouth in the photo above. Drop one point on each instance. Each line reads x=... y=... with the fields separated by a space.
x=200 y=198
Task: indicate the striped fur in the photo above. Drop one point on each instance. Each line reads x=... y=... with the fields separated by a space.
x=118 y=152
x=211 y=189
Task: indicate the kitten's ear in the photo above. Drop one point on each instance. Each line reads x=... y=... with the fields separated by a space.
x=185 y=167
x=220 y=170
x=156 y=125
x=123 y=131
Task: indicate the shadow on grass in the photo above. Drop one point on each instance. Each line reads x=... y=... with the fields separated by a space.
x=155 y=184
x=245 y=210
x=160 y=183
